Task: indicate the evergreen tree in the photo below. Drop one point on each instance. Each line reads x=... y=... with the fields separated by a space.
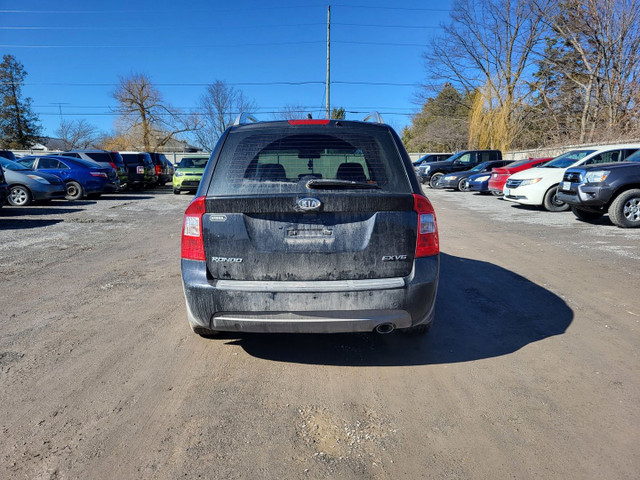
x=19 y=128
x=442 y=125
x=338 y=113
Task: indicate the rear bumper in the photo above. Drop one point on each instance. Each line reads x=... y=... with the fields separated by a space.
x=112 y=186
x=310 y=307
x=186 y=183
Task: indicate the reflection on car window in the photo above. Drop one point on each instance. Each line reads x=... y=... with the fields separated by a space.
x=568 y=159
x=466 y=158
x=9 y=165
x=283 y=162
x=198 y=162
x=27 y=162
x=604 y=157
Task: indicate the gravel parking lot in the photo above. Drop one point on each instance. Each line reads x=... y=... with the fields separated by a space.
x=530 y=371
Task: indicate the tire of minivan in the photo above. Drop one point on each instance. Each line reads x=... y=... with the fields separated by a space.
x=551 y=202
x=205 y=332
x=585 y=215
x=435 y=178
x=624 y=212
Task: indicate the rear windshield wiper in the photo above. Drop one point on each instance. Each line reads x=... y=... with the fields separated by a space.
x=339 y=184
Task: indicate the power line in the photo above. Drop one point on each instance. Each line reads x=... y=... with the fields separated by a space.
x=263 y=25
x=58 y=27
x=230 y=10
x=373 y=7
x=240 y=84
x=259 y=109
x=219 y=45
x=147 y=12
x=183 y=114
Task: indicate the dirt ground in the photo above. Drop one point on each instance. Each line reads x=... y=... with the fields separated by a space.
x=530 y=371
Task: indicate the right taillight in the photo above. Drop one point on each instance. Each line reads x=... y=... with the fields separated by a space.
x=427 y=243
x=192 y=247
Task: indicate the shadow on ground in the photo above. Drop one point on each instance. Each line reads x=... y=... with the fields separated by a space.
x=21 y=224
x=125 y=196
x=482 y=311
x=9 y=212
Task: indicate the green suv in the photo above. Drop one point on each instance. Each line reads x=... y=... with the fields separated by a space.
x=188 y=174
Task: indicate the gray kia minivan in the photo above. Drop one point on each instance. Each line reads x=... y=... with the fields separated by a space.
x=316 y=226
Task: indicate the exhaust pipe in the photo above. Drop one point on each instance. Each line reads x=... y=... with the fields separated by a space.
x=385 y=328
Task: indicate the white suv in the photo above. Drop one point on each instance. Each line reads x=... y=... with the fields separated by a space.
x=539 y=185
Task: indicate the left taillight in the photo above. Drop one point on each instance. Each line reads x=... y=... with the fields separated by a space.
x=158 y=169
x=427 y=243
x=98 y=174
x=192 y=241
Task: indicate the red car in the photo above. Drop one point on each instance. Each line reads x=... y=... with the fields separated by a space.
x=499 y=175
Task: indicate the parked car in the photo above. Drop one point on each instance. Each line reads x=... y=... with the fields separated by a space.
x=479 y=182
x=499 y=176
x=27 y=186
x=8 y=154
x=429 y=158
x=539 y=185
x=188 y=173
x=163 y=167
x=141 y=171
x=613 y=188
x=314 y=226
x=458 y=180
x=459 y=162
x=81 y=177
x=4 y=188
x=105 y=158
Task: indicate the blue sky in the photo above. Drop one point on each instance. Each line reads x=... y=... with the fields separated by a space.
x=74 y=52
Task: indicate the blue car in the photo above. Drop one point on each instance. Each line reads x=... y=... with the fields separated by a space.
x=479 y=182
x=27 y=186
x=81 y=177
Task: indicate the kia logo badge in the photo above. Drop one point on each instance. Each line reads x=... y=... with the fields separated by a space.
x=308 y=204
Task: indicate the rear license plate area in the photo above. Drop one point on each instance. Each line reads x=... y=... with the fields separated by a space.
x=308 y=231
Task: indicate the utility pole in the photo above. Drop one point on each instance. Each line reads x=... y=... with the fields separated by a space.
x=328 y=92
x=59 y=104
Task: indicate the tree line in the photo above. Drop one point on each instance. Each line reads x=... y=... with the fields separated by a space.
x=144 y=119
x=531 y=73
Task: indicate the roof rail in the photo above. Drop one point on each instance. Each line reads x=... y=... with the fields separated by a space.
x=244 y=117
x=373 y=117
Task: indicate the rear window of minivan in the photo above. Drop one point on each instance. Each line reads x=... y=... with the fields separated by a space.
x=281 y=160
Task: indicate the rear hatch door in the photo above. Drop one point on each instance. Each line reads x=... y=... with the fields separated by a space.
x=298 y=204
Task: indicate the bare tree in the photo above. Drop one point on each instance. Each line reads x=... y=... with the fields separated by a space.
x=77 y=134
x=291 y=111
x=604 y=35
x=218 y=107
x=144 y=116
x=489 y=47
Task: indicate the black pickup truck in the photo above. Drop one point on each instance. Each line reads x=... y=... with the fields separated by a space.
x=464 y=160
x=612 y=188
